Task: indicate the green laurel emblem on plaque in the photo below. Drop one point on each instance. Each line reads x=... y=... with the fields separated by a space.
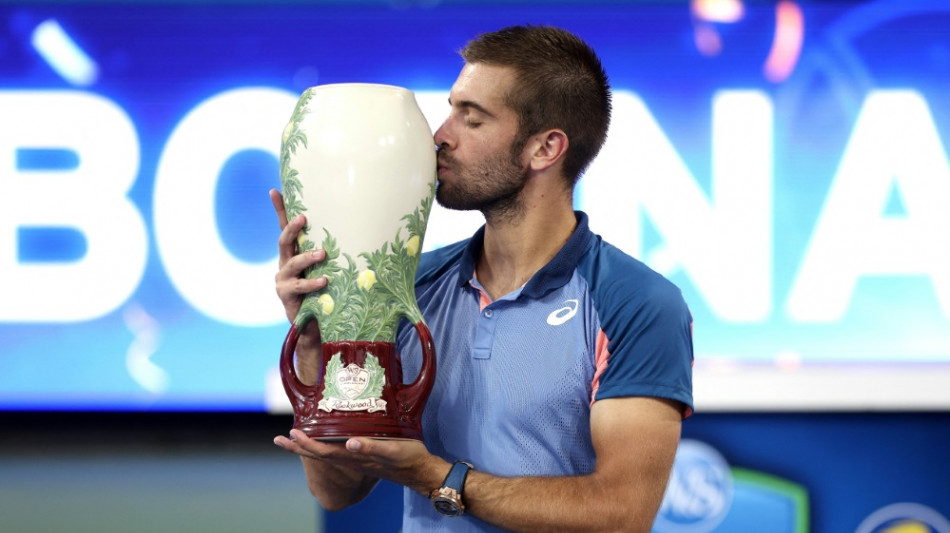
x=353 y=387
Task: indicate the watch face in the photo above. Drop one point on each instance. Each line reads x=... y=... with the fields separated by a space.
x=446 y=506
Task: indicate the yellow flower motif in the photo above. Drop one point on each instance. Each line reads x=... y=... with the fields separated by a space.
x=412 y=246
x=366 y=279
x=287 y=131
x=326 y=303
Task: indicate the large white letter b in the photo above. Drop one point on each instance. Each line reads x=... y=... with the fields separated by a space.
x=89 y=198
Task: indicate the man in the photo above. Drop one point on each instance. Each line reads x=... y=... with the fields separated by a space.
x=564 y=365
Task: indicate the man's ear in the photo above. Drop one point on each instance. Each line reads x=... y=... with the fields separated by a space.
x=547 y=149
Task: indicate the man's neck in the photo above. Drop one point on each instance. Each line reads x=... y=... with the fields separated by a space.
x=515 y=249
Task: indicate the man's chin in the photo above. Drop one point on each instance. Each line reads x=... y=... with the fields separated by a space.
x=451 y=204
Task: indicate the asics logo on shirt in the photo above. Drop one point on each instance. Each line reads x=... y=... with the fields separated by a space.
x=563 y=314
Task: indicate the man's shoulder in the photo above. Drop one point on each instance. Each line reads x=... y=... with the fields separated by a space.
x=615 y=274
x=435 y=263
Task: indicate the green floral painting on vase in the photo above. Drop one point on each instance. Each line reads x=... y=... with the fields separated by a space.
x=359 y=303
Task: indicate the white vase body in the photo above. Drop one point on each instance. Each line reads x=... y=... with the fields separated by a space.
x=365 y=163
x=358 y=160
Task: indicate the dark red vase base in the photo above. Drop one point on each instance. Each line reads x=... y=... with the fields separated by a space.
x=330 y=431
x=400 y=420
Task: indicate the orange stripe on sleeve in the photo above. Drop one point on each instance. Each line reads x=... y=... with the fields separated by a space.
x=600 y=362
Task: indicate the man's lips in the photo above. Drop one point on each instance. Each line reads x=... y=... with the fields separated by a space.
x=443 y=165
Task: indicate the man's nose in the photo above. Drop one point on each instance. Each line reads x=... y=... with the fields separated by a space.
x=442 y=138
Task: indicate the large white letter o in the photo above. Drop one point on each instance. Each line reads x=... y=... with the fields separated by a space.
x=199 y=265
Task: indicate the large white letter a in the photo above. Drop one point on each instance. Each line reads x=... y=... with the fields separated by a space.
x=895 y=146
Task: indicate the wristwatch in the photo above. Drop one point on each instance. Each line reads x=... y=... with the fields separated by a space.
x=447 y=499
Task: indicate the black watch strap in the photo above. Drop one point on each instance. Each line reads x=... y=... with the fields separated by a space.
x=447 y=499
x=456 y=477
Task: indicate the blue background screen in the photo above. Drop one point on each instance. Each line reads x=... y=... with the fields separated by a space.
x=785 y=165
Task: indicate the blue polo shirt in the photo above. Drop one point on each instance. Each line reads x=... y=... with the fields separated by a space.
x=516 y=377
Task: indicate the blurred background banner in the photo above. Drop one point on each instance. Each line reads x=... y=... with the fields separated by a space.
x=784 y=162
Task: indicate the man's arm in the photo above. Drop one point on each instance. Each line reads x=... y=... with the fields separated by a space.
x=335 y=486
x=635 y=441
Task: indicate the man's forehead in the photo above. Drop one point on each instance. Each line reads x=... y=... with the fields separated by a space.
x=483 y=84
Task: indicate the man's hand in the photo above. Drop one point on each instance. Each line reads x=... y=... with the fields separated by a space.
x=335 y=487
x=291 y=287
x=405 y=462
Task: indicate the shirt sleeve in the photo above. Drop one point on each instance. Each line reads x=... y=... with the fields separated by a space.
x=645 y=345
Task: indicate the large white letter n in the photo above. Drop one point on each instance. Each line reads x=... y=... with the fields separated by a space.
x=722 y=240
x=89 y=198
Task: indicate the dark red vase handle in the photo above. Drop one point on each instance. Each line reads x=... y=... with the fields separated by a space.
x=296 y=391
x=412 y=398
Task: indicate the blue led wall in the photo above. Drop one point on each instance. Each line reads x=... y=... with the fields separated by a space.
x=785 y=163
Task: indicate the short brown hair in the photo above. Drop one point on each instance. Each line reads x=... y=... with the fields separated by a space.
x=560 y=83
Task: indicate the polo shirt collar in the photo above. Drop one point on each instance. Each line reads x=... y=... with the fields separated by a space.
x=552 y=276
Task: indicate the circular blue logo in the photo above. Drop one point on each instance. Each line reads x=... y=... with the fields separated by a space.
x=699 y=493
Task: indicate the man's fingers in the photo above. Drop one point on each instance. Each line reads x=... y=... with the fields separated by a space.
x=278 y=201
x=293 y=446
x=370 y=447
x=300 y=444
x=306 y=286
x=291 y=268
x=377 y=449
x=289 y=445
x=292 y=291
x=291 y=287
x=287 y=242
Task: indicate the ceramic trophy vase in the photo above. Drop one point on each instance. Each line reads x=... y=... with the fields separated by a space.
x=358 y=160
